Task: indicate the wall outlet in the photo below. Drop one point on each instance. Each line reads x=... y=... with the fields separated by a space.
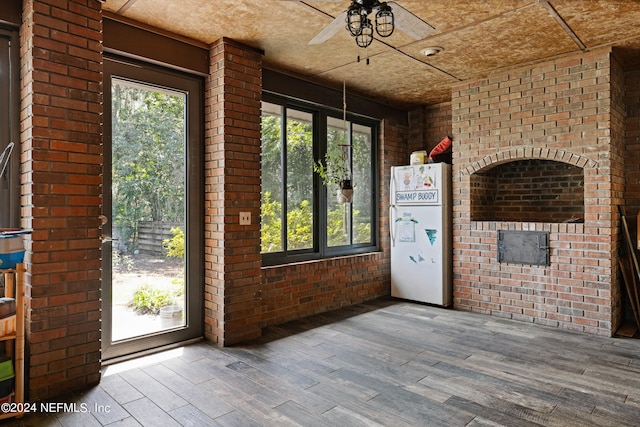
x=245 y=218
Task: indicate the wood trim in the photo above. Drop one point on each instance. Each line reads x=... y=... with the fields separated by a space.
x=294 y=87
x=153 y=45
x=11 y=13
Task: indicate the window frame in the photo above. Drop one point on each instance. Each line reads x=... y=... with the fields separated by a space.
x=116 y=68
x=320 y=249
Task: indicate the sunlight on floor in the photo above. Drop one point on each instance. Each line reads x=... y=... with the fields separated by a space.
x=143 y=361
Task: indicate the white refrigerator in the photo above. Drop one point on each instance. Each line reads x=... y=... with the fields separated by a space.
x=420 y=227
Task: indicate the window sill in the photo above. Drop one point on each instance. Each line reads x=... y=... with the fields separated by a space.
x=330 y=259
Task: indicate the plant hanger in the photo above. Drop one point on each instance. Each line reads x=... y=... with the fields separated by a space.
x=336 y=168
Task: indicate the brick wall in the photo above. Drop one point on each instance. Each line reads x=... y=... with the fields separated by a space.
x=617 y=159
x=232 y=185
x=427 y=126
x=562 y=111
x=61 y=94
x=632 y=140
x=632 y=160
x=298 y=290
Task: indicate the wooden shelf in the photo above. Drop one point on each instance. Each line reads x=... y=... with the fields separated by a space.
x=14 y=345
x=8 y=337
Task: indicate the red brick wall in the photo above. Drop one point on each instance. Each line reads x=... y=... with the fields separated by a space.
x=632 y=141
x=428 y=125
x=61 y=94
x=298 y=290
x=558 y=110
x=618 y=160
x=632 y=161
x=232 y=185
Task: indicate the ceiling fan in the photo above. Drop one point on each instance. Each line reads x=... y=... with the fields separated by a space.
x=388 y=16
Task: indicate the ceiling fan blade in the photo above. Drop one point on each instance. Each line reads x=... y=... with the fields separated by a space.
x=330 y=30
x=409 y=23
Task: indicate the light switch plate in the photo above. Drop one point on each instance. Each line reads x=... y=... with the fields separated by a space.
x=245 y=218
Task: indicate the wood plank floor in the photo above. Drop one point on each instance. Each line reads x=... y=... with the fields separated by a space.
x=384 y=363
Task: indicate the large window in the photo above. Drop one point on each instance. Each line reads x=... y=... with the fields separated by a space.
x=301 y=216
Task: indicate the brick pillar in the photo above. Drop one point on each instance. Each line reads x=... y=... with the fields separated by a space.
x=61 y=124
x=232 y=185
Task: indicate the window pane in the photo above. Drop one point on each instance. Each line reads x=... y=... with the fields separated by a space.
x=299 y=180
x=5 y=139
x=148 y=193
x=361 y=145
x=10 y=179
x=338 y=214
x=271 y=210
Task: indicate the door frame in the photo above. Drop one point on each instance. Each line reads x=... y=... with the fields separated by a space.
x=193 y=86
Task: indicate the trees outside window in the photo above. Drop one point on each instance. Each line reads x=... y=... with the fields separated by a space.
x=148 y=166
x=301 y=218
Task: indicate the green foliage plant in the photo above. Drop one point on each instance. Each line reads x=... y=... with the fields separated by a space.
x=175 y=245
x=334 y=169
x=271 y=211
x=148 y=166
x=148 y=299
x=299 y=226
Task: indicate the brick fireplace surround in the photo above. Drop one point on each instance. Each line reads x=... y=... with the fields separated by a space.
x=571 y=111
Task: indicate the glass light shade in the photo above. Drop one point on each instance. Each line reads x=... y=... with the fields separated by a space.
x=354 y=20
x=384 y=21
x=365 y=37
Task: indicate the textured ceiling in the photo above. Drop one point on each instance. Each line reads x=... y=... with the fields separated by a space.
x=477 y=37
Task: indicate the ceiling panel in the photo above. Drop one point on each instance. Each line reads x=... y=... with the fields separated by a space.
x=500 y=42
x=392 y=74
x=478 y=37
x=598 y=22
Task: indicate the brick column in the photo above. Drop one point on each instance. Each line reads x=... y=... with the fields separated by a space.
x=232 y=185
x=61 y=127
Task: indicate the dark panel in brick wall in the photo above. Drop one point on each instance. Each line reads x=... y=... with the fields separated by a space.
x=523 y=247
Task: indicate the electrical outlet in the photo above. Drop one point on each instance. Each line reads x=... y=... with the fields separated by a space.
x=245 y=218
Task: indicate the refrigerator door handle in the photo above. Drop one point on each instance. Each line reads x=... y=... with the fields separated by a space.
x=392 y=186
x=392 y=225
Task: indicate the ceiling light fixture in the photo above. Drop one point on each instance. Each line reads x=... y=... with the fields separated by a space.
x=359 y=25
x=365 y=36
x=431 y=51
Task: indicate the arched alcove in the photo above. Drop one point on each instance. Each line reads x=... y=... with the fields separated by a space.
x=532 y=190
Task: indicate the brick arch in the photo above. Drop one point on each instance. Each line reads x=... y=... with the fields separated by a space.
x=528 y=153
x=529 y=185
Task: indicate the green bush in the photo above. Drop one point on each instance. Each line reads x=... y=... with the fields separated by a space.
x=175 y=245
x=149 y=300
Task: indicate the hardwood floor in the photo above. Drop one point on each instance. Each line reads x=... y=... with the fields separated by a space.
x=384 y=363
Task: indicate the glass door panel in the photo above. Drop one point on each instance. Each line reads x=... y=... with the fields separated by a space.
x=152 y=252
x=147 y=212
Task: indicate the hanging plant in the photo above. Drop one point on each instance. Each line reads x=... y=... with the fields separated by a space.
x=335 y=171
